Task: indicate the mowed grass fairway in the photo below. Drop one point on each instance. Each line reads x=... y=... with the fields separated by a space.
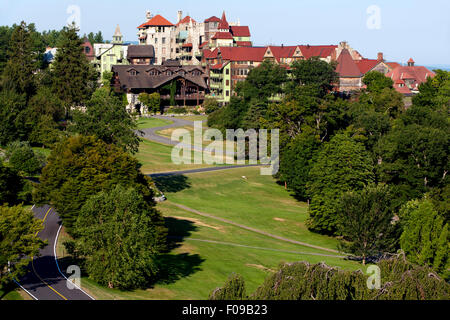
x=206 y=251
x=146 y=123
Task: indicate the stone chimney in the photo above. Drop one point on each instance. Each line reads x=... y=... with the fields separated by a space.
x=179 y=16
x=380 y=57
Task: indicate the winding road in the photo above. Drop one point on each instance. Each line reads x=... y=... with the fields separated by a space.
x=44 y=279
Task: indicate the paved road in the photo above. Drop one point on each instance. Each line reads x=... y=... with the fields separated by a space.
x=44 y=280
x=151 y=135
x=178 y=173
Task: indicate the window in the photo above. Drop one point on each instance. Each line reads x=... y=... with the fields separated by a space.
x=133 y=73
x=163 y=40
x=87 y=49
x=227 y=83
x=228 y=93
x=156 y=40
x=163 y=50
x=227 y=72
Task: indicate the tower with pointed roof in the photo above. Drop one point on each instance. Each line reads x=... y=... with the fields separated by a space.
x=223 y=24
x=117 y=37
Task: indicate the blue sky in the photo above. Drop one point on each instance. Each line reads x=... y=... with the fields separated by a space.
x=408 y=28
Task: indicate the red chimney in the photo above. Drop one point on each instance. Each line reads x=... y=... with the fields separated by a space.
x=380 y=57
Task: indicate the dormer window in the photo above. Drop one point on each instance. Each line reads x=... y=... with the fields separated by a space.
x=132 y=72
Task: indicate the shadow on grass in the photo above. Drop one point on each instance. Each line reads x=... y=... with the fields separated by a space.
x=174 y=266
x=175 y=183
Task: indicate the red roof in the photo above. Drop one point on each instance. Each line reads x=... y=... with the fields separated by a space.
x=410 y=60
x=223 y=35
x=240 y=31
x=217 y=66
x=365 y=65
x=393 y=65
x=213 y=19
x=187 y=45
x=415 y=74
x=156 y=21
x=210 y=54
x=318 y=51
x=347 y=67
x=243 y=53
x=244 y=43
x=203 y=44
x=224 y=23
x=186 y=20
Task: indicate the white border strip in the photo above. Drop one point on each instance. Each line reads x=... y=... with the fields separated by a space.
x=57 y=264
x=29 y=293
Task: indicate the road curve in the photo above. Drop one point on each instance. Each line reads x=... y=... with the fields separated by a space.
x=150 y=133
x=44 y=279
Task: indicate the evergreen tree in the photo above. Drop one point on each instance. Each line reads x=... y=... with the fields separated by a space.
x=11 y=184
x=234 y=289
x=12 y=117
x=74 y=78
x=22 y=62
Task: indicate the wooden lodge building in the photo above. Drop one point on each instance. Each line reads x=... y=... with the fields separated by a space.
x=186 y=85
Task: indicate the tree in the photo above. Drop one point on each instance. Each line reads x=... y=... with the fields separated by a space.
x=74 y=78
x=12 y=117
x=425 y=238
x=262 y=82
x=365 y=219
x=18 y=241
x=80 y=167
x=11 y=184
x=19 y=70
x=108 y=120
x=413 y=158
x=234 y=289
x=23 y=159
x=315 y=73
x=377 y=81
x=151 y=101
x=120 y=235
x=342 y=165
x=211 y=105
x=296 y=161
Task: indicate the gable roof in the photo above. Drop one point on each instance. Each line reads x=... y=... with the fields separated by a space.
x=186 y=20
x=223 y=36
x=243 y=53
x=143 y=80
x=318 y=51
x=141 y=51
x=156 y=21
x=213 y=19
x=240 y=31
x=347 y=67
x=366 y=65
x=418 y=74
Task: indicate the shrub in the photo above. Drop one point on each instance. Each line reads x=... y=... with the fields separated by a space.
x=22 y=158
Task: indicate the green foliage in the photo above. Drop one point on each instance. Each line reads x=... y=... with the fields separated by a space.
x=119 y=234
x=296 y=161
x=18 y=241
x=12 y=117
x=314 y=73
x=230 y=116
x=365 y=219
x=107 y=78
x=435 y=92
x=342 y=165
x=80 y=167
x=400 y=280
x=234 y=289
x=18 y=74
x=22 y=158
x=151 y=101
x=11 y=184
x=108 y=120
x=262 y=82
x=425 y=238
x=377 y=81
x=74 y=78
x=211 y=105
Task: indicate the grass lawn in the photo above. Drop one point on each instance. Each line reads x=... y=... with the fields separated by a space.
x=11 y=295
x=156 y=157
x=257 y=202
x=146 y=123
x=194 y=268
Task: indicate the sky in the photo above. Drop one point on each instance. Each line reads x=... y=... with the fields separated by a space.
x=399 y=28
